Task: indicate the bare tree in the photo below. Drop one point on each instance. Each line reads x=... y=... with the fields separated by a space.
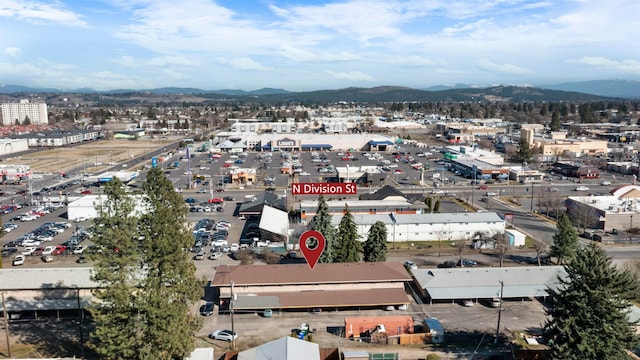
x=556 y=205
x=441 y=236
x=583 y=216
x=540 y=246
x=460 y=245
x=502 y=246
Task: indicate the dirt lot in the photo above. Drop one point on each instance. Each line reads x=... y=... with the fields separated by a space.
x=87 y=156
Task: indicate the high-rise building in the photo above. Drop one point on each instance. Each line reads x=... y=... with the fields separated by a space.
x=36 y=112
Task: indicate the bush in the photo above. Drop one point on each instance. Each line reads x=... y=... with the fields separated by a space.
x=433 y=357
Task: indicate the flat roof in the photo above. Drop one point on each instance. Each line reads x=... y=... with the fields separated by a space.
x=436 y=218
x=484 y=283
x=322 y=299
x=46 y=278
x=297 y=274
x=358 y=204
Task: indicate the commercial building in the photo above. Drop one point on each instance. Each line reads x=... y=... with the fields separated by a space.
x=429 y=227
x=14 y=173
x=308 y=208
x=17 y=113
x=328 y=286
x=12 y=146
x=620 y=210
x=237 y=142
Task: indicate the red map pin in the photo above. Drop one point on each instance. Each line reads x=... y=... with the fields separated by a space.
x=312 y=244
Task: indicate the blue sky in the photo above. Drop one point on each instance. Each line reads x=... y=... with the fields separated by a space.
x=302 y=45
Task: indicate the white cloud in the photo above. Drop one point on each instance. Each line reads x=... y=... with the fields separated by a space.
x=40 y=12
x=12 y=51
x=629 y=65
x=416 y=61
x=489 y=65
x=350 y=75
x=244 y=63
x=171 y=60
x=299 y=55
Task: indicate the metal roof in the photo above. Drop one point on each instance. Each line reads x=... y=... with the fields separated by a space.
x=325 y=273
x=327 y=298
x=439 y=218
x=46 y=278
x=274 y=220
x=284 y=348
x=483 y=283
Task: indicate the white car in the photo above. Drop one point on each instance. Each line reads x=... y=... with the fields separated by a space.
x=48 y=250
x=18 y=260
x=437 y=191
x=582 y=188
x=225 y=335
x=31 y=243
x=490 y=193
x=28 y=250
x=605 y=183
x=80 y=219
x=79 y=249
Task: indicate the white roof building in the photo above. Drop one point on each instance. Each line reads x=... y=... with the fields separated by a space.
x=429 y=227
x=285 y=348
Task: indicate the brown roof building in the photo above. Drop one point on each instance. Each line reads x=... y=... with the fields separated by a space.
x=326 y=286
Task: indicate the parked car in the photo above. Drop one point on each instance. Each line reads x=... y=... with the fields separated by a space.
x=47 y=258
x=207 y=309
x=448 y=264
x=410 y=265
x=466 y=262
x=200 y=255
x=225 y=335
x=18 y=260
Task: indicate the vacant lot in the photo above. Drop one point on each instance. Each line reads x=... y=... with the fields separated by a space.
x=93 y=156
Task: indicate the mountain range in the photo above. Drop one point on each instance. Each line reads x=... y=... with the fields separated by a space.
x=572 y=91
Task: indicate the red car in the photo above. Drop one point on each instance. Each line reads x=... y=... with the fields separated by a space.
x=216 y=201
x=483 y=187
x=59 y=250
x=86 y=192
x=226 y=165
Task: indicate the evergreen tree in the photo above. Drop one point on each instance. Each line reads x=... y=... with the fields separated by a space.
x=565 y=240
x=170 y=287
x=436 y=206
x=147 y=282
x=555 y=124
x=375 y=248
x=347 y=247
x=119 y=325
x=322 y=222
x=524 y=150
x=588 y=319
x=428 y=201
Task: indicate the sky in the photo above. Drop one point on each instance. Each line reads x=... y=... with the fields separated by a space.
x=304 y=45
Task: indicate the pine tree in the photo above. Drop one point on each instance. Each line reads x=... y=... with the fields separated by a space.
x=347 y=247
x=147 y=281
x=170 y=285
x=524 y=150
x=565 y=240
x=555 y=124
x=322 y=222
x=589 y=314
x=375 y=248
x=119 y=325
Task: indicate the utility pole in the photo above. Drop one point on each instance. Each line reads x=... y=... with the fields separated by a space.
x=233 y=330
x=499 y=313
x=532 y=197
x=6 y=324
